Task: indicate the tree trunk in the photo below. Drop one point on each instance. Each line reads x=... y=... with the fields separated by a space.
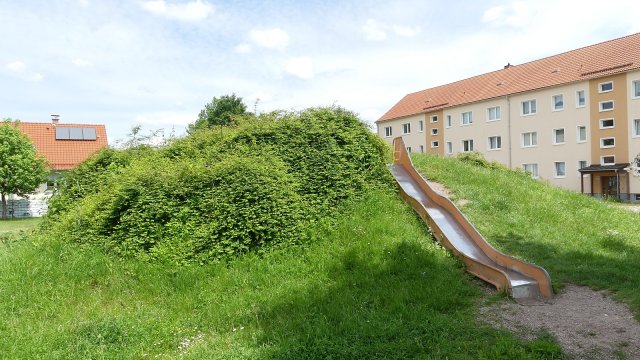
x=4 y=206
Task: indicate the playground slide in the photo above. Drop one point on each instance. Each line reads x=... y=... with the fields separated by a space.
x=526 y=283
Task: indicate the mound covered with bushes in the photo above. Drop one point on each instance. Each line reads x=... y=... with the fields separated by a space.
x=219 y=193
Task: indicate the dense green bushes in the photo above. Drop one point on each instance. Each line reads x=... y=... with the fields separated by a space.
x=223 y=192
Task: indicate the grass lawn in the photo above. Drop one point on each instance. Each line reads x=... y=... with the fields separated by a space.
x=14 y=226
x=577 y=239
x=372 y=285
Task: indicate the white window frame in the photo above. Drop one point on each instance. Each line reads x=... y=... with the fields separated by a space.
x=498 y=143
x=530 y=102
x=534 y=174
x=603 y=102
x=555 y=169
x=449 y=147
x=409 y=149
x=497 y=113
x=531 y=144
x=435 y=144
x=603 y=146
x=604 y=83
x=434 y=119
x=601 y=123
x=448 y=121
x=388 y=133
x=607 y=156
x=470 y=118
x=469 y=142
x=406 y=128
x=635 y=89
x=554 y=136
x=553 y=102
x=422 y=149
x=434 y=131
x=584 y=94
x=586 y=163
x=420 y=126
x=636 y=128
x=578 y=140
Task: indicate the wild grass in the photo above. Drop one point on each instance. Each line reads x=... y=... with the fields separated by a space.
x=371 y=285
x=17 y=225
x=577 y=239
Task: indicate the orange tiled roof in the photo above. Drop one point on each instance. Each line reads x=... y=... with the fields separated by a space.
x=63 y=154
x=606 y=58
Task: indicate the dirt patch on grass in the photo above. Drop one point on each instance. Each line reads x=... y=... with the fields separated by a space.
x=443 y=191
x=588 y=324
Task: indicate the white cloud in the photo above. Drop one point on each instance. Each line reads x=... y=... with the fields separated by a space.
x=166 y=118
x=19 y=69
x=517 y=14
x=79 y=62
x=192 y=11
x=374 y=31
x=270 y=38
x=301 y=67
x=406 y=31
x=242 y=48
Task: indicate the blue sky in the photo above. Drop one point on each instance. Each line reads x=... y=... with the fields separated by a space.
x=156 y=63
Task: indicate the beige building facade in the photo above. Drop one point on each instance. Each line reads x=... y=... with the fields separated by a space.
x=571 y=119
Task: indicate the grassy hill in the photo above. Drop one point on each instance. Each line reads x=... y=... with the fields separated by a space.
x=577 y=239
x=371 y=285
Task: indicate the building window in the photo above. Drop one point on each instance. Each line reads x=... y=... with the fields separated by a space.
x=435 y=144
x=582 y=164
x=607 y=142
x=448 y=121
x=434 y=119
x=606 y=123
x=531 y=169
x=558 y=102
x=636 y=127
x=408 y=149
x=421 y=125
x=636 y=89
x=606 y=105
x=467 y=118
x=582 y=134
x=495 y=143
x=560 y=169
x=406 y=128
x=607 y=160
x=581 y=99
x=493 y=113
x=388 y=131
x=449 y=147
x=528 y=107
x=434 y=131
x=529 y=139
x=605 y=87
x=421 y=148
x=467 y=145
x=558 y=136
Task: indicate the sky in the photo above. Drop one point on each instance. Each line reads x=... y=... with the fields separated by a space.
x=157 y=63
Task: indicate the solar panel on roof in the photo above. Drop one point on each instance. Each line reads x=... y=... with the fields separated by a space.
x=62 y=133
x=89 y=133
x=75 y=133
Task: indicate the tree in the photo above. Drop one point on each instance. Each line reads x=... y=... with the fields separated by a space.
x=222 y=111
x=21 y=169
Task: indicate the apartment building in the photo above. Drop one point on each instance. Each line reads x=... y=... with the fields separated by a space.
x=572 y=119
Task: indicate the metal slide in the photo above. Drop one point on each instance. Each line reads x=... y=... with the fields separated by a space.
x=526 y=283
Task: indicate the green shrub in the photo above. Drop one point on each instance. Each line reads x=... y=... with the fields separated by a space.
x=222 y=192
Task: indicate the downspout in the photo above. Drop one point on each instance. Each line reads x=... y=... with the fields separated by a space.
x=509 y=127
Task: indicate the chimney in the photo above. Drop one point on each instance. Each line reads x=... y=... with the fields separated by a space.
x=55 y=118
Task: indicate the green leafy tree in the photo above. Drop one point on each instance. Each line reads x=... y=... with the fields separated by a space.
x=223 y=111
x=21 y=169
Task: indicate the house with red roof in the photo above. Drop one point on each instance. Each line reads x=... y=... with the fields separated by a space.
x=572 y=119
x=64 y=146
